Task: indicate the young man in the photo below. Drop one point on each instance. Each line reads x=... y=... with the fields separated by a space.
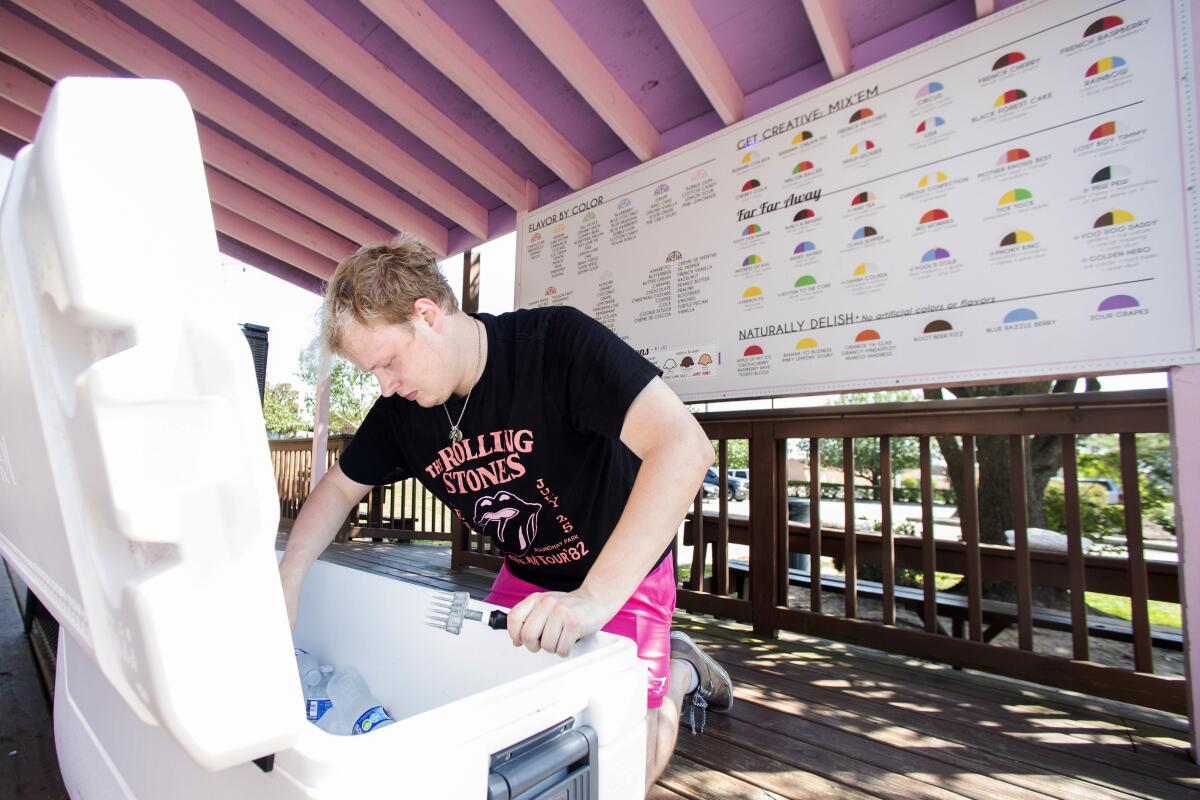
x=542 y=429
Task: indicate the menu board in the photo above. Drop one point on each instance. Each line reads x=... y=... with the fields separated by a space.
x=1010 y=200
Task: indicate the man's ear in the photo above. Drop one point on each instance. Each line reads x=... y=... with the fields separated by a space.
x=428 y=311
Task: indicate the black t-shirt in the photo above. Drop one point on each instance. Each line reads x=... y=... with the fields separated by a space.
x=541 y=467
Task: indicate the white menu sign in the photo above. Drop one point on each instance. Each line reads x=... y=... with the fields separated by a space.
x=1010 y=200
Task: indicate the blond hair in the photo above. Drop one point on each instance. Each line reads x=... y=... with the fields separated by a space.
x=379 y=284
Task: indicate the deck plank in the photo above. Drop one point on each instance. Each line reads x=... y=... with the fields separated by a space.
x=897 y=716
x=1079 y=740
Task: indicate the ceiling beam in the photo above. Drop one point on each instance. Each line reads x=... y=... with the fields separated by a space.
x=43 y=53
x=223 y=45
x=23 y=124
x=441 y=46
x=690 y=38
x=16 y=121
x=550 y=32
x=244 y=201
x=86 y=22
x=269 y=264
x=307 y=29
x=288 y=190
x=984 y=7
x=23 y=100
x=19 y=87
x=830 y=28
x=268 y=241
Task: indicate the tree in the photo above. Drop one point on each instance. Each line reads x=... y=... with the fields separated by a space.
x=737 y=453
x=1099 y=456
x=352 y=392
x=1043 y=459
x=904 y=449
x=905 y=452
x=281 y=410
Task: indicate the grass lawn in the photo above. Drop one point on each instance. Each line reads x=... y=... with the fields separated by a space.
x=1161 y=612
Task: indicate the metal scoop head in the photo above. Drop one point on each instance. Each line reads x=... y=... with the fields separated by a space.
x=447 y=612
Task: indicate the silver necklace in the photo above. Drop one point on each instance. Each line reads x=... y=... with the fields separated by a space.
x=455 y=431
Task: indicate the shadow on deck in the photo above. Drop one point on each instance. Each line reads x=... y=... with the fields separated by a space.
x=818 y=719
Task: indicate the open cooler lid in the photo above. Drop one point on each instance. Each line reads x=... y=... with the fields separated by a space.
x=136 y=490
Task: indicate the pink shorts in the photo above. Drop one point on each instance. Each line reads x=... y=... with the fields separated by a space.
x=645 y=618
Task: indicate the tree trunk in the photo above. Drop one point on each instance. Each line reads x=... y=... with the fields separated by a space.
x=1042 y=462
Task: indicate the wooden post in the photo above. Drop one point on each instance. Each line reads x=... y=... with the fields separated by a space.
x=887 y=555
x=1183 y=398
x=470 y=282
x=1017 y=460
x=928 y=539
x=763 y=528
x=721 y=544
x=814 y=526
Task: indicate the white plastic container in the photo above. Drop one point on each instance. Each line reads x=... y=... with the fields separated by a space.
x=137 y=501
x=456 y=699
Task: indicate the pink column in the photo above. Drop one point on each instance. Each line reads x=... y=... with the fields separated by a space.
x=1184 y=408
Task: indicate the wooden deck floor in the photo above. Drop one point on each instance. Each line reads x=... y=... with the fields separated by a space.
x=815 y=719
x=28 y=763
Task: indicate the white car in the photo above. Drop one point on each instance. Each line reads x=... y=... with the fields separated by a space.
x=1112 y=489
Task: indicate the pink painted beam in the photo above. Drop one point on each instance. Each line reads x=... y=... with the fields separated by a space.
x=244 y=201
x=441 y=46
x=984 y=7
x=223 y=45
x=830 y=28
x=251 y=233
x=1183 y=398
x=17 y=121
x=549 y=30
x=691 y=39
x=260 y=174
x=323 y=42
x=21 y=120
x=86 y=22
x=47 y=55
x=23 y=89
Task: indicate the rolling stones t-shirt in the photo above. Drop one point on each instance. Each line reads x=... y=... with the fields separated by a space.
x=541 y=467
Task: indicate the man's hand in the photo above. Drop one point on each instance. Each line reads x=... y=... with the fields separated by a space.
x=555 y=621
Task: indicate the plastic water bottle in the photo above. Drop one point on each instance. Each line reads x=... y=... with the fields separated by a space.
x=307 y=666
x=355 y=710
x=316 y=694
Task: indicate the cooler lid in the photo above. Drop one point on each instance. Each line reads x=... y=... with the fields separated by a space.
x=136 y=491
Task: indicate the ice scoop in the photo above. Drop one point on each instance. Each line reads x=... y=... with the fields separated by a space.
x=447 y=612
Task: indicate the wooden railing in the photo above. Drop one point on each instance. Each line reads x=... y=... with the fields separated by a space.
x=402 y=510
x=755 y=589
x=771 y=537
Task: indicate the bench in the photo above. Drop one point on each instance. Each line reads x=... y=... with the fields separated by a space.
x=999 y=615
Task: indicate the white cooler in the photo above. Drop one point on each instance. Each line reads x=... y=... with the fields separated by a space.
x=137 y=501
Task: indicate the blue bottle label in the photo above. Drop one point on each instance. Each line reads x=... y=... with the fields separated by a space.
x=317 y=708
x=371 y=719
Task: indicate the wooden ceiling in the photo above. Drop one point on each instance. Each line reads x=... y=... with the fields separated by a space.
x=325 y=124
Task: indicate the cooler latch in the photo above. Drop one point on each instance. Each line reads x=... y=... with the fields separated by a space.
x=557 y=764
